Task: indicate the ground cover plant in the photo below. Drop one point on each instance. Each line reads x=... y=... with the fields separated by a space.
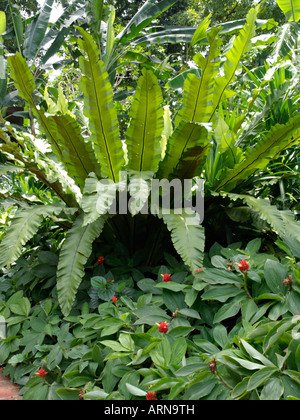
x=95 y=300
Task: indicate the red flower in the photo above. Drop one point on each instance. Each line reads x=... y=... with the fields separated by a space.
x=166 y=277
x=198 y=271
x=114 y=299
x=243 y=266
x=150 y=396
x=41 y=373
x=100 y=260
x=162 y=327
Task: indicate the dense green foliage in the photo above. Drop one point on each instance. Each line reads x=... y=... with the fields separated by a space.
x=221 y=110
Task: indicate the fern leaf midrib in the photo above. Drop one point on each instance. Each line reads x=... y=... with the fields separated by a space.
x=101 y=120
x=225 y=86
x=200 y=87
x=293 y=11
x=145 y=127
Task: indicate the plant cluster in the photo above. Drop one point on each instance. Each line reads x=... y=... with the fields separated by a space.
x=230 y=331
x=98 y=304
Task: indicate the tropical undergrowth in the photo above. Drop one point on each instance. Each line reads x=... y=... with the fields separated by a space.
x=234 y=324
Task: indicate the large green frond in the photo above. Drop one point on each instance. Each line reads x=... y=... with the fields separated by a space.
x=279 y=138
x=199 y=92
x=241 y=45
x=63 y=131
x=281 y=221
x=188 y=237
x=24 y=226
x=99 y=108
x=22 y=76
x=74 y=254
x=146 y=126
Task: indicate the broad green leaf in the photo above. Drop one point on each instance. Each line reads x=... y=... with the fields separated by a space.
x=291 y=9
x=200 y=389
x=73 y=256
x=273 y=390
x=95 y=395
x=134 y=390
x=146 y=125
x=36 y=31
x=175 y=287
x=228 y=310
x=172 y=36
x=274 y=272
x=99 y=108
x=25 y=225
x=162 y=353
x=217 y=276
x=18 y=28
x=62 y=131
x=259 y=377
x=256 y=354
x=56 y=35
x=286 y=40
x=114 y=345
x=179 y=348
x=221 y=293
x=246 y=363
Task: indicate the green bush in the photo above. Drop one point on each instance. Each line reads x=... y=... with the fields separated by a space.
x=230 y=334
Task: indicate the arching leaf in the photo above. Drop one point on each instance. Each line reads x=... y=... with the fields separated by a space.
x=25 y=225
x=199 y=92
x=188 y=236
x=62 y=131
x=99 y=108
x=146 y=126
x=279 y=138
x=291 y=9
x=74 y=254
x=36 y=31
